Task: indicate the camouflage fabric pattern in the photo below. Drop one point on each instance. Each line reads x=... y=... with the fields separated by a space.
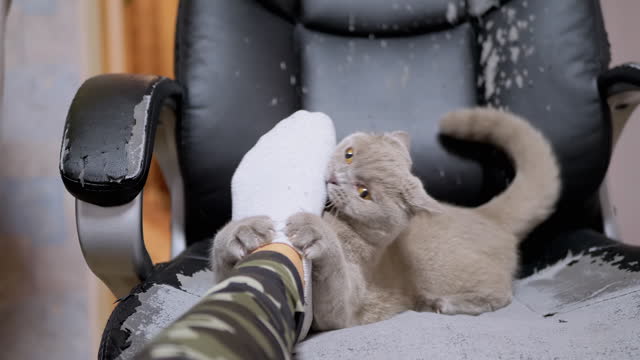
x=256 y=313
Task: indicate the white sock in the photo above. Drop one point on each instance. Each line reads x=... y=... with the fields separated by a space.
x=283 y=174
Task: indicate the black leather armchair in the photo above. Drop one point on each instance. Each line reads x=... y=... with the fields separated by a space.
x=375 y=65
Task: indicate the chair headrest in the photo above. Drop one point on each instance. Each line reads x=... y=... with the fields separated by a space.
x=381 y=17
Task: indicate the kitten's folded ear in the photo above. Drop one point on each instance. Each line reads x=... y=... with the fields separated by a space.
x=402 y=137
x=417 y=197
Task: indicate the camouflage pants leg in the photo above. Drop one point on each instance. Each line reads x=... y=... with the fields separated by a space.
x=256 y=313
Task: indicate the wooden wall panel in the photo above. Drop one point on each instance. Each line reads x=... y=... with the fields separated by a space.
x=150 y=28
x=139 y=38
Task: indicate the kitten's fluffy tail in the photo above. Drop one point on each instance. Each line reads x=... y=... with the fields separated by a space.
x=533 y=194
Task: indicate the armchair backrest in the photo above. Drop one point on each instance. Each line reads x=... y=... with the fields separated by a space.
x=378 y=65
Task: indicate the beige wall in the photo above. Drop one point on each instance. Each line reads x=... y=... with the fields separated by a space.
x=621 y=20
x=47 y=293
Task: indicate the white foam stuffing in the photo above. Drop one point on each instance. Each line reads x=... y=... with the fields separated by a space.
x=513 y=33
x=515 y=53
x=490 y=71
x=504 y=43
x=452 y=13
x=519 y=81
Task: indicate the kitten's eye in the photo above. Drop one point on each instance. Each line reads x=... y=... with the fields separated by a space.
x=348 y=155
x=364 y=192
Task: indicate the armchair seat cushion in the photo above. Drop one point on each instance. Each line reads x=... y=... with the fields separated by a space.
x=580 y=300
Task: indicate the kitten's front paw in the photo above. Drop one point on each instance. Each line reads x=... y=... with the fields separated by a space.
x=307 y=232
x=239 y=238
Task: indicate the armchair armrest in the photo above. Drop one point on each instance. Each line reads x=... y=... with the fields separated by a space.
x=619 y=87
x=109 y=136
x=105 y=158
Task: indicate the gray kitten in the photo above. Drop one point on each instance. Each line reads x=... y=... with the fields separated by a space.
x=389 y=247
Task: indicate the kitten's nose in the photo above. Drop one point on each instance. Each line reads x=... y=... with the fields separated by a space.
x=332 y=179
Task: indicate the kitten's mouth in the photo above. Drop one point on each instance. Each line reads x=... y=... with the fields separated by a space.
x=332 y=180
x=330 y=204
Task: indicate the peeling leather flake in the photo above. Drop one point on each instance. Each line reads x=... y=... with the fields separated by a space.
x=64 y=151
x=134 y=147
x=85 y=159
x=160 y=305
